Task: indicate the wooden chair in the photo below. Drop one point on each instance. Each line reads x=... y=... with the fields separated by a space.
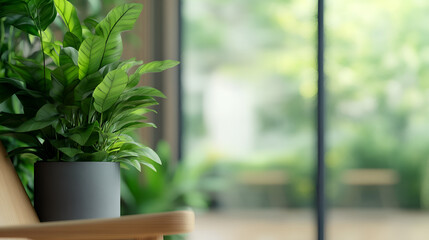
x=19 y=220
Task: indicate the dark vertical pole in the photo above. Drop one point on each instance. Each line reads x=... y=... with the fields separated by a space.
x=320 y=180
x=180 y=87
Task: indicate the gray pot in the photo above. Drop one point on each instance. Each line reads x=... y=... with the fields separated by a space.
x=76 y=190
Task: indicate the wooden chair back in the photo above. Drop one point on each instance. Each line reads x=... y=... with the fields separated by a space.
x=15 y=207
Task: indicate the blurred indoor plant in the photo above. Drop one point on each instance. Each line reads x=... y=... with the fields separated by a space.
x=80 y=101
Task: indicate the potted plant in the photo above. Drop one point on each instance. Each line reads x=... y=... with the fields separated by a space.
x=78 y=106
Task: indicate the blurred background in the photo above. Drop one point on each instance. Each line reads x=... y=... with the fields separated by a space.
x=237 y=133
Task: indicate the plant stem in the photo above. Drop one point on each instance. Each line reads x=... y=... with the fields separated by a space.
x=44 y=64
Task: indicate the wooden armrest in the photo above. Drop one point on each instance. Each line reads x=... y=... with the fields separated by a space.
x=127 y=227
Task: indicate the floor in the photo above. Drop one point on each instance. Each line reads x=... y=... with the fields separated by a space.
x=343 y=224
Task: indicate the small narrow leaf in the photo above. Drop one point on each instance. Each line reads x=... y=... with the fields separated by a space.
x=156 y=66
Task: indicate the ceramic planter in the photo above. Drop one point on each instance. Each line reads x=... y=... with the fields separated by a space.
x=76 y=190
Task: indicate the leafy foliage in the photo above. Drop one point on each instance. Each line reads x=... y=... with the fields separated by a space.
x=81 y=105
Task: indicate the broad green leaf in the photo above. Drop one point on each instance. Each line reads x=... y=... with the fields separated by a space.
x=18 y=15
x=69 y=16
x=81 y=134
x=30 y=16
x=91 y=23
x=21 y=150
x=132 y=146
x=109 y=67
x=64 y=80
x=68 y=55
x=113 y=50
x=87 y=85
x=119 y=19
x=44 y=13
x=131 y=162
x=70 y=152
x=32 y=125
x=27 y=138
x=109 y=90
x=71 y=40
x=90 y=54
x=150 y=154
x=133 y=80
x=99 y=156
x=32 y=74
x=148 y=165
x=47 y=35
x=46 y=112
x=12 y=120
x=8 y=87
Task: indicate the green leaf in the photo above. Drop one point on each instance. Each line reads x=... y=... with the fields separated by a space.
x=131 y=162
x=156 y=66
x=119 y=19
x=81 y=134
x=68 y=55
x=87 y=85
x=44 y=13
x=30 y=16
x=90 y=55
x=53 y=51
x=27 y=138
x=11 y=120
x=109 y=67
x=99 y=156
x=109 y=90
x=32 y=73
x=9 y=87
x=71 y=40
x=132 y=126
x=126 y=65
x=151 y=67
x=32 y=125
x=69 y=16
x=48 y=111
x=149 y=166
x=150 y=154
x=70 y=152
x=142 y=91
x=64 y=80
x=17 y=14
x=90 y=23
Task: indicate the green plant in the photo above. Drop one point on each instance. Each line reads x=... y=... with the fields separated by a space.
x=81 y=101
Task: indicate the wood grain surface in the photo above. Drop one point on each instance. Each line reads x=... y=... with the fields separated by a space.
x=15 y=207
x=127 y=227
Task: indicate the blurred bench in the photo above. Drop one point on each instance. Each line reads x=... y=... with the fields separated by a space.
x=262 y=188
x=383 y=180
